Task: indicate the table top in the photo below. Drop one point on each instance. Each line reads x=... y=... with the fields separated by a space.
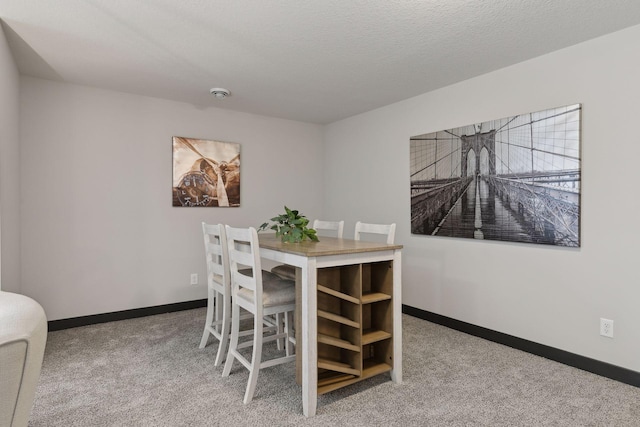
x=325 y=247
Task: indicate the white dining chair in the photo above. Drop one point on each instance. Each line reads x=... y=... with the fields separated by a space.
x=329 y=228
x=387 y=231
x=218 y=320
x=324 y=228
x=259 y=297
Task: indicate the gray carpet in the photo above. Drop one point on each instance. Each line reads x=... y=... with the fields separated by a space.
x=150 y=372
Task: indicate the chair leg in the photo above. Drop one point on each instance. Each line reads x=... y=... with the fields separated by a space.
x=209 y=320
x=288 y=323
x=233 y=345
x=218 y=311
x=225 y=313
x=255 y=359
x=279 y=330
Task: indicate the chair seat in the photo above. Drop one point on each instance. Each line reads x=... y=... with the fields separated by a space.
x=285 y=271
x=274 y=292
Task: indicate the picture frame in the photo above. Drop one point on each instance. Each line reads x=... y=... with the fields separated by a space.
x=206 y=173
x=514 y=179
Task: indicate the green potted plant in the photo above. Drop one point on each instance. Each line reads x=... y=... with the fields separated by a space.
x=291 y=227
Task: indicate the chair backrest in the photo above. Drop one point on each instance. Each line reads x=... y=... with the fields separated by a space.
x=215 y=249
x=336 y=226
x=388 y=230
x=244 y=261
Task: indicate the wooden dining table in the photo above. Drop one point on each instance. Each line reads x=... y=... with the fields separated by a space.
x=375 y=270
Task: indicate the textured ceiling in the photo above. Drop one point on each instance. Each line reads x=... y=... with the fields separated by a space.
x=310 y=60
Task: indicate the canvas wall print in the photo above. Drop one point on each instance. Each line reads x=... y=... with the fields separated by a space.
x=205 y=173
x=515 y=179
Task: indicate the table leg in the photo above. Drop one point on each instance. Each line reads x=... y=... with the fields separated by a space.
x=310 y=341
x=298 y=326
x=396 y=372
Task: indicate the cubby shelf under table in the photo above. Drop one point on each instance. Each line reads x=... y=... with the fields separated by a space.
x=372 y=313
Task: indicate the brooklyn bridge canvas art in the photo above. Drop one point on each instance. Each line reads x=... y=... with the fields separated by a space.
x=513 y=179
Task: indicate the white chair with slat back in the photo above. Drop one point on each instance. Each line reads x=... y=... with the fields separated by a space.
x=259 y=297
x=333 y=227
x=324 y=228
x=219 y=288
x=218 y=321
x=388 y=230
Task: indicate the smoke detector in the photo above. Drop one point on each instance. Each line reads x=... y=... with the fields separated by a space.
x=219 y=92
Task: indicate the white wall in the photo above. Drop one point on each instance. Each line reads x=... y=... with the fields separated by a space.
x=99 y=233
x=9 y=171
x=549 y=295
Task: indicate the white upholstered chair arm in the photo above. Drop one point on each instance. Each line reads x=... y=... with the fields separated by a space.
x=23 y=336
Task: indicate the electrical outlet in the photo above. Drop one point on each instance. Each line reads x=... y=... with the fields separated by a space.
x=606 y=328
x=194 y=278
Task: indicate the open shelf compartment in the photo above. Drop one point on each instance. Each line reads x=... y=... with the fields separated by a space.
x=355 y=323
